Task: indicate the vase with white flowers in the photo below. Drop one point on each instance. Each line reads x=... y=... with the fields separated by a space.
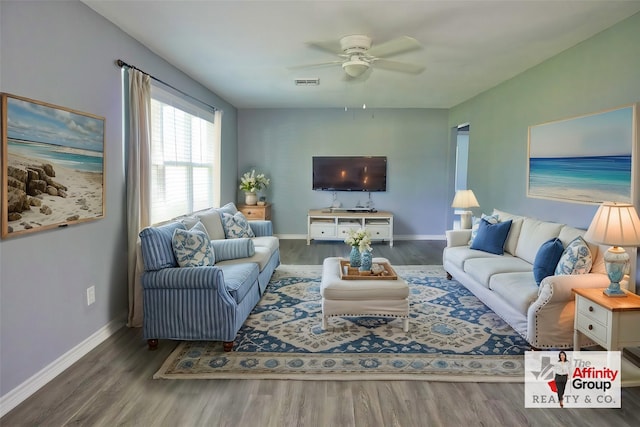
x=360 y=242
x=251 y=183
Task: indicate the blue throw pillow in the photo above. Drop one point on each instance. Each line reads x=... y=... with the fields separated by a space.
x=492 y=219
x=546 y=259
x=491 y=237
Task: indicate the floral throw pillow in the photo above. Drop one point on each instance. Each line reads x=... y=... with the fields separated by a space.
x=576 y=258
x=192 y=248
x=236 y=226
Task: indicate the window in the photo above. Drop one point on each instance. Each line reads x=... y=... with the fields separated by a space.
x=185 y=160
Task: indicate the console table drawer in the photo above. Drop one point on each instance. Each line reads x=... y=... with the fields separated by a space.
x=593 y=329
x=256 y=212
x=343 y=230
x=322 y=230
x=593 y=311
x=379 y=231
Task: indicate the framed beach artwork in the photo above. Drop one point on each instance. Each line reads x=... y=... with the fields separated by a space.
x=52 y=166
x=586 y=159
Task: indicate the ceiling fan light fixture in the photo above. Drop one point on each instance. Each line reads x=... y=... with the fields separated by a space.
x=355 y=67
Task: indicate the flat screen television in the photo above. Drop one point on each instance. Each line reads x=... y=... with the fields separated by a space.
x=350 y=173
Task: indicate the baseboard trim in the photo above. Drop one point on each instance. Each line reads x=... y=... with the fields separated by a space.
x=55 y=368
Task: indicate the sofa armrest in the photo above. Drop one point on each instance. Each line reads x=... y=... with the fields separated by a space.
x=458 y=237
x=550 y=317
x=261 y=227
x=558 y=288
x=184 y=278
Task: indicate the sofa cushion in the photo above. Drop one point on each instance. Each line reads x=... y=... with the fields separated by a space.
x=192 y=248
x=546 y=259
x=491 y=237
x=233 y=248
x=576 y=258
x=212 y=222
x=236 y=226
x=458 y=255
x=518 y=289
x=189 y=221
x=482 y=269
x=157 y=250
x=491 y=219
x=261 y=257
x=240 y=279
x=532 y=235
x=514 y=232
x=229 y=208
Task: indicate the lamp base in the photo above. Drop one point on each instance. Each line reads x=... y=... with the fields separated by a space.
x=614 y=292
x=616 y=260
x=465 y=220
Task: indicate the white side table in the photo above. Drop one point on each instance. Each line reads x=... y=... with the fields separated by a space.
x=612 y=322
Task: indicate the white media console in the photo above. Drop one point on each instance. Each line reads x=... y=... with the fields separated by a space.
x=334 y=224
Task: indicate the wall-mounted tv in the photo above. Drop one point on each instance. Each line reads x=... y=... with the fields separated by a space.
x=350 y=173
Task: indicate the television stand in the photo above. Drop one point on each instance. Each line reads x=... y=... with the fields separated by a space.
x=356 y=209
x=323 y=224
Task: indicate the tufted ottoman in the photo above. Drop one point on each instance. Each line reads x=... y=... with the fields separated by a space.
x=376 y=297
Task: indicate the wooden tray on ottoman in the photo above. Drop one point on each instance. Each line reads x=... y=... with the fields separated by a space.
x=353 y=273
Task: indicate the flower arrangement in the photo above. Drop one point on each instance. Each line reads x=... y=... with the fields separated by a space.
x=252 y=182
x=360 y=238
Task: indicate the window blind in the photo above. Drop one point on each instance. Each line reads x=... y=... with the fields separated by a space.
x=184 y=156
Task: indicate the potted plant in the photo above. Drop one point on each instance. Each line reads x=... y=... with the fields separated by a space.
x=251 y=183
x=360 y=242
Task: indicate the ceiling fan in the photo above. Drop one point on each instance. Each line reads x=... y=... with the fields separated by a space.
x=359 y=55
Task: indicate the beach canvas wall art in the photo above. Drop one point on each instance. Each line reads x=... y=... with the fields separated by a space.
x=587 y=159
x=52 y=166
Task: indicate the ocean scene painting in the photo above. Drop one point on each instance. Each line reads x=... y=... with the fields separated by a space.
x=54 y=168
x=586 y=159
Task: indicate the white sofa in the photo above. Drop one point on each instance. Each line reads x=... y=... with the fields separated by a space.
x=543 y=314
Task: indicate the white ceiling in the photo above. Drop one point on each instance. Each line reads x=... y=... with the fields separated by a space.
x=243 y=50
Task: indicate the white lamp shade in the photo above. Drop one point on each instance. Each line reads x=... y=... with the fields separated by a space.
x=465 y=199
x=615 y=224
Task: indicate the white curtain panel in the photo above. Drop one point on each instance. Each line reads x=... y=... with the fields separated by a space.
x=138 y=183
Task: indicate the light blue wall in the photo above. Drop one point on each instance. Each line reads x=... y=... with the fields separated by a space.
x=281 y=143
x=63 y=53
x=598 y=74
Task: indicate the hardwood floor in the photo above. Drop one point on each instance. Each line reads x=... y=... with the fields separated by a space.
x=403 y=252
x=112 y=386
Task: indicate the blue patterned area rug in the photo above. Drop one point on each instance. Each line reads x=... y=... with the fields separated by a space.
x=452 y=337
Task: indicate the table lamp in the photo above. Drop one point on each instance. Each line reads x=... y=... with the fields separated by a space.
x=615 y=224
x=465 y=199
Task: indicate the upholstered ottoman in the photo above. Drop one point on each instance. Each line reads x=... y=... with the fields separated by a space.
x=350 y=298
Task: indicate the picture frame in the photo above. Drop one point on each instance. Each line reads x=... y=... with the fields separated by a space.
x=53 y=166
x=586 y=159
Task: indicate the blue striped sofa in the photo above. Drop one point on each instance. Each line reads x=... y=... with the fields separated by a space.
x=205 y=303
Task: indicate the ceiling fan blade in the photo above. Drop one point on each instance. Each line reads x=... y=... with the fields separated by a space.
x=394 y=47
x=315 y=65
x=403 y=67
x=331 y=46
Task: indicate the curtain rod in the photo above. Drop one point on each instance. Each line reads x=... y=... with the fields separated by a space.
x=120 y=63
